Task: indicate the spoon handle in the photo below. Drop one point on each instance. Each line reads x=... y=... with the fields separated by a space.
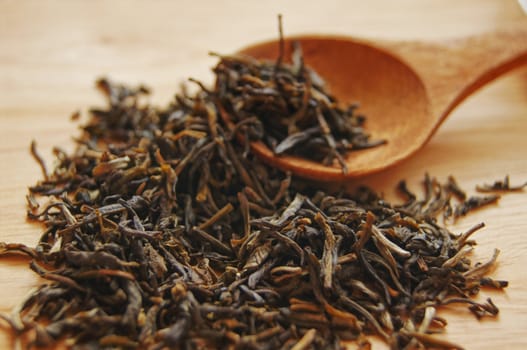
x=453 y=70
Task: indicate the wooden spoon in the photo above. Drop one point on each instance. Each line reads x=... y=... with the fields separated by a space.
x=405 y=89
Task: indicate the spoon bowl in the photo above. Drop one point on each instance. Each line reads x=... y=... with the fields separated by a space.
x=406 y=89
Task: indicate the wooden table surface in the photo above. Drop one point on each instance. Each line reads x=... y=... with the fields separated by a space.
x=52 y=51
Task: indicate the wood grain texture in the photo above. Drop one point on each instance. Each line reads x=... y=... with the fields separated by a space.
x=52 y=51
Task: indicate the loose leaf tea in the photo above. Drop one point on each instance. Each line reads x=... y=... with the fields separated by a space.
x=162 y=231
x=288 y=107
x=501 y=186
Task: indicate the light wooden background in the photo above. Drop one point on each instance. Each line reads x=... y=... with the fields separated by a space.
x=52 y=51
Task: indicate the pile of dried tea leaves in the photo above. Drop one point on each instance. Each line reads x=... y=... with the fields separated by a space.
x=162 y=231
x=288 y=107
